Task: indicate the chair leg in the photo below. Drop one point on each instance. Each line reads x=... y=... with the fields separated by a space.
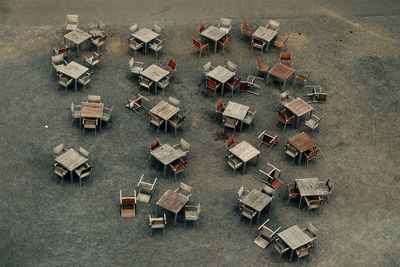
x=80 y=181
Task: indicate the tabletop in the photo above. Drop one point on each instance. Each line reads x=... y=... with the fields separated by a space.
x=77 y=36
x=166 y=154
x=164 y=110
x=299 y=107
x=172 y=201
x=244 y=151
x=145 y=35
x=302 y=142
x=221 y=74
x=154 y=73
x=308 y=187
x=294 y=237
x=235 y=110
x=281 y=71
x=213 y=33
x=256 y=200
x=71 y=159
x=265 y=34
x=73 y=70
x=92 y=110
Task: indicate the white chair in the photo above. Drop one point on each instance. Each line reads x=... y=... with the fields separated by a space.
x=85 y=79
x=134 y=45
x=71 y=22
x=157 y=45
x=265 y=235
x=133 y=28
x=273 y=25
x=135 y=67
x=225 y=25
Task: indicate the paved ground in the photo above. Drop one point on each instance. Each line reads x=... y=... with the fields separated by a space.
x=352 y=49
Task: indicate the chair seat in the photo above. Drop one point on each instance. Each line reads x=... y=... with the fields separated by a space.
x=58 y=67
x=71 y=27
x=128 y=213
x=61 y=172
x=191 y=215
x=311 y=123
x=157 y=123
x=261 y=242
x=90 y=125
x=248 y=119
x=137 y=69
x=276 y=183
x=247 y=215
x=290 y=153
x=92 y=62
x=143 y=198
x=157 y=225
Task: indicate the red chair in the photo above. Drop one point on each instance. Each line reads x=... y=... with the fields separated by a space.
x=219 y=108
x=199 y=46
x=268 y=140
x=213 y=85
x=224 y=42
x=247 y=30
x=171 y=66
x=259 y=44
x=280 y=43
x=233 y=84
x=293 y=192
x=178 y=167
x=230 y=142
x=285 y=118
x=303 y=77
x=286 y=58
x=311 y=154
x=262 y=68
x=201 y=27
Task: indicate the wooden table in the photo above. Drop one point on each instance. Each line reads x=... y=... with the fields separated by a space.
x=166 y=154
x=77 y=37
x=92 y=110
x=301 y=142
x=256 y=200
x=146 y=36
x=236 y=111
x=295 y=238
x=282 y=72
x=165 y=111
x=264 y=34
x=245 y=152
x=308 y=187
x=214 y=34
x=299 y=107
x=71 y=159
x=222 y=75
x=173 y=202
x=74 y=70
x=154 y=73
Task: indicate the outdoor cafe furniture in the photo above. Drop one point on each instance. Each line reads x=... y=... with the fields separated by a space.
x=219 y=108
x=58 y=62
x=94 y=99
x=200 y=46
x=247 y=213
x=299 y=108
x=155 y=74
x=246 y=29
x=174 y=101
x=71 y=160
x=154 y=144
x=233 y=162
x=230 y=142
x=135 y=67
x=145 y=36
x=157 y=223
x=264 y=35
x=301 y=142
x=281 y=72
x=107 y=115
x=64 y=81
x=312 y=232
x=58 y=150
x=257 y=201
x=314 y=202
x=273 y=25
x=272 y=177
x=280 y=247
x=127 y=205
x=313 y=122
x=262 y=68
x=285 y=118
x=164 y=111
x=265 y=235
x=286 y=58
x=92 y=61
x=92 y=110
x=177 y=122
x=268 y=140
x=326 y=188
x=259 y=44
x=183 y=146
x=77 y=37
x=303 y=77
x=146 y=83
x=98 y=42
x=222 y=75
x=173 y=202
x=178 y=166
x=291 y=152
x=214 y=34
x=192 y=213
x=85 y=79
x=224 y=42
x=308 y=187
x=316 y=95
x=134 y=45
x=241 y=194
x=303 y=252
x=285 y=98
x=294 y=238
x=170 y=67
x=59 y=170
x=234 y=84
x=137 y=104
x=84 y=171
x=61 y=51
x=249 y=118
x=236 y=111
x=280 y=42
x=73 y=70
x=133 y=28
x=213 y=85
x=71 y=23
x=231 y=66
x=156 y=121
x=200 y=28
x=166 y=154
x=225 y=24
x=145 y=190
x=230 y=123
x=90 y=124
x=184 y=189
x=156 y=28
x=245 y=152
x=157 y=45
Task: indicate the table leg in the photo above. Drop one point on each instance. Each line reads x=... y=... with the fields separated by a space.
x=145 y=48
x=301 y=200
x=267 y=46
x=71 y=176
x=77 y=48
x=284 y=84
x=176 y=216
x=241 y=125
x=215 y=47
x=291 y=255
x=258 y=216
x=297 y=121
x=166 y=126
x=300 y=155
x=165 y=170
x=76 y=85
x=244 y=167
x=222 y=89
x=267 y=78
x=258 y=159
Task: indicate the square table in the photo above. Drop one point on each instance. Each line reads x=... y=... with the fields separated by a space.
x=215 y=34
x=166 y=154
x=71 y=159
x=154 y=73
x=165 y=111
x=282 y=72
x=236 y=111
x=74 y=70
x=173 y=202
x=308 y=187
x=146 y=36
x=299 y=107
x=265 y=34
x=301 y=142
x=77 y=37
x=222 y=75
x=245 y=152
x=256 y=200
x=295 y=238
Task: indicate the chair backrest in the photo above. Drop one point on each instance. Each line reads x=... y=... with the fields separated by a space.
x=197 y=43
x=102 y=39
x=212 y=84
x=96 y=56
x=248 y=211
x=225 y=22
x=328 y=184
x=226 y=40
x=230 y=121
x=260 y=64
x=284 y=95
x=290 y=149
x=173 y=101
x=218 y=104
x=133 y=28
x=230 y=141
x=207 y=66
x=156 y=28
x=313 y=153
x=198 y=209
x=154 y=144
x=231 y=66
x=185 y=188
x=180 y=119
x=83 y=152
x=241 y=191
x=57 y=59
x=94 y=99
x=322 y=97
x=268 y=190
x=58 y=149
x=201 y=27
x=273 y=24
x=283 y=116
x=184 y=145
x=88 y=169
x=72 y=19
x=303 y=251
x=244 y=24
x=312 y=229
x=172 y=63
x=144 y=80
x=286 y=55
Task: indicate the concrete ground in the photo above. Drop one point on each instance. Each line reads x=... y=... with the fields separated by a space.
x=353 y=52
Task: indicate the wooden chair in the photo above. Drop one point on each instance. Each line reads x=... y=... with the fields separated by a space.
x=233 y=162
x=312 y=232
x=219 y=108
x=286 y=59
x=207 y=68
x=291 y=152
x=281 y=42
x=107 y=115
x=272 y=177
x=230 y=142
x=177 y=122
x=262 y=68
x=83 y=152
x=134 y=45
x=246 y=29
x=97 y=29
x=259 y=44
x=313 y=122
x=273 y=25
x=170 y=66
x=58 y=62
x=89 y=124
x=313 y=203
x=59 y=170
x=231 y=66
x=184 y=189
x=179 y=166
x=247 y=213
x=230 y=123
x=302 y=252
x=157 y=46
x=183 y=147
x=199 y=46
x=268 y=190
x=146 y=83
x=213 y=85
x=265 y=235
x=94 y=99
x=59 y=150
x=127 y=205
x=281 y=247
x=137 y=104
x=293 y=192
x=174 y=101
x=85 y=79
x=157 y=28
x=249 y=118
x=326 y=188
x=64 y=81
x=192 y=213
x=233 y=84
x=99 y=42
x=133 y=28
x=285 y=118
x=71 y=22
x=224 y=42
x=225 y=25
x=61 y=51
x=84 y=171
x=268 y=140
x=135 y=67
x=303 y=77
x=145 y=190
x=285 y=98
x=92 y=61
x=156 y=121
x=164 y=83
x=316 y=95
x=241 y=194
x=157 y=223
x=154 y=144
x=201 y=27
x=311 y=154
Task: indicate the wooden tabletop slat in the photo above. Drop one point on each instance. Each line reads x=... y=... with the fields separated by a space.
x=154 y=73
x=299 y=107
x=221 y=74
x=213 y=33
x=235 y=110
x=73 y=70
x=308 y=187
x=256 y=200
x=145 y=35
x=164 y=110
x=244 y=151
x=281 y=71
x=265 y=34
x=71 y=159
x=166 y=154
x=77 y=36
x=302 y=142
x=173 y=201
x=92 y=110
x=294 y=237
